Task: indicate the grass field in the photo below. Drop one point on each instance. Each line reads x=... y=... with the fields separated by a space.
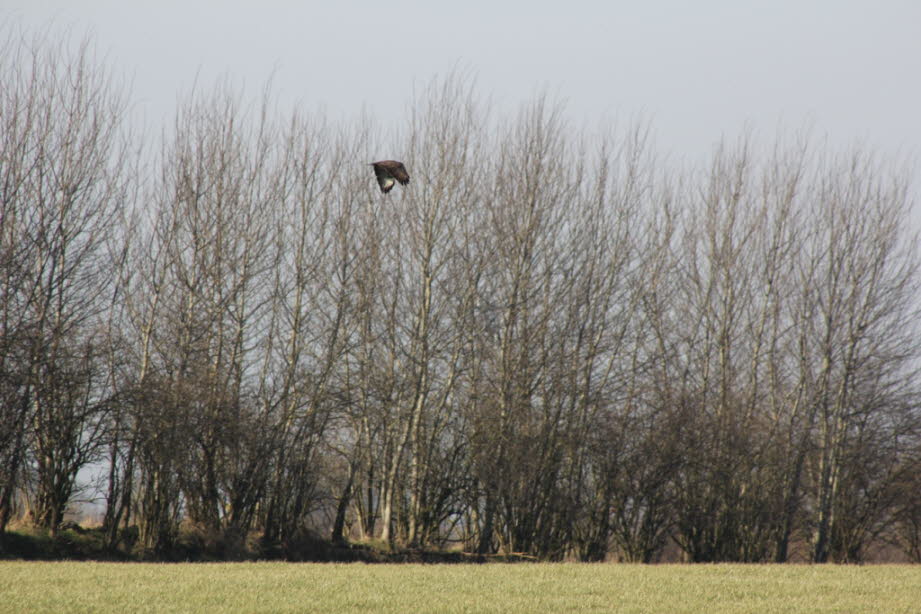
x=307 y=587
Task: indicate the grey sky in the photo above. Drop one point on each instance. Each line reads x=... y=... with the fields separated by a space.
x=696 y=70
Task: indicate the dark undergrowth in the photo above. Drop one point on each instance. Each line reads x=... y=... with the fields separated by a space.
x=76 y=543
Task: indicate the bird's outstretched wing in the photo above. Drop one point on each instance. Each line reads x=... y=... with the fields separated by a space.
x=399 y=173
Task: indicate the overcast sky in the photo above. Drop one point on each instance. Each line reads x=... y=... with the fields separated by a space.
x=696 y=70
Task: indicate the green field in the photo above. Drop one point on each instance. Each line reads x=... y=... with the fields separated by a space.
x=308 y=587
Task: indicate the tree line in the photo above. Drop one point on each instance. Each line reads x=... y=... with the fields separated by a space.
x=552 y=342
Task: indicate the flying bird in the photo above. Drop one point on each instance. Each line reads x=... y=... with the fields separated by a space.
x=389 y=172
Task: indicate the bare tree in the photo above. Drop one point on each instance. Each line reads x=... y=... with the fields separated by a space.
x=201 y=311
x=430 y=299
x=862 y=289
x=63 y=178
x=312 y=321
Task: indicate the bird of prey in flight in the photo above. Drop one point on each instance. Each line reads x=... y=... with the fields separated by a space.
x=389 y=172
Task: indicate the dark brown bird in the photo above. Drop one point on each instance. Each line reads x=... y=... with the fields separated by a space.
x=389 y=172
